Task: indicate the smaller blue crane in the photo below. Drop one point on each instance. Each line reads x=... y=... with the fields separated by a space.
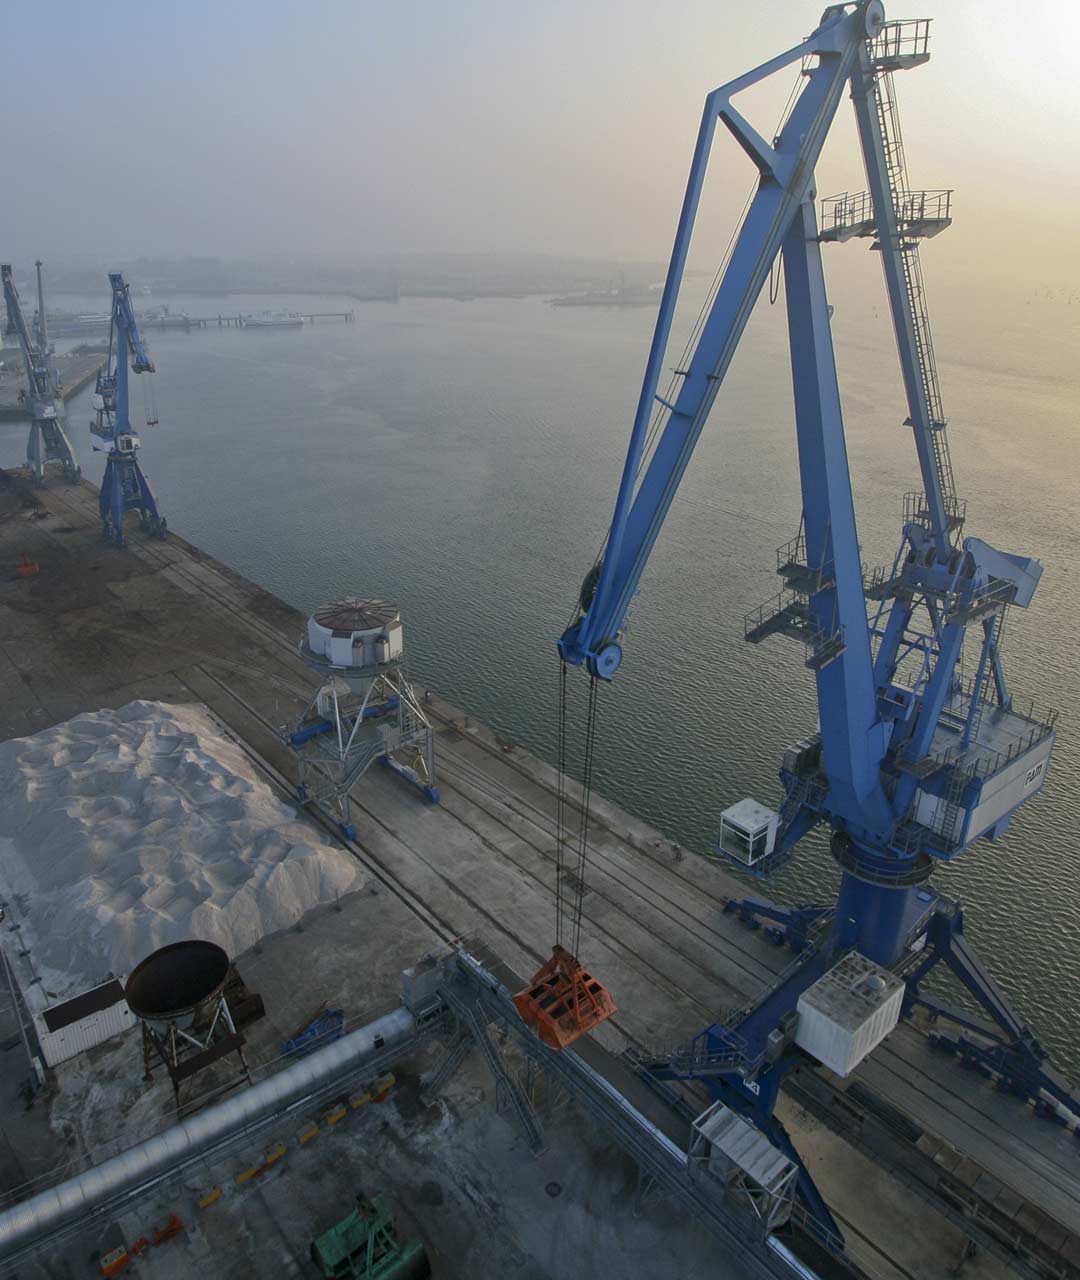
x=48 y=440
x=124 y=486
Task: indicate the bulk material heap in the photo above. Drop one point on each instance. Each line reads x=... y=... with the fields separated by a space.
x=364 y=711
x=911 y=764
x=48 y=442
x=125 y=486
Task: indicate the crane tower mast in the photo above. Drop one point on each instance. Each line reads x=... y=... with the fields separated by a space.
x=911 y=764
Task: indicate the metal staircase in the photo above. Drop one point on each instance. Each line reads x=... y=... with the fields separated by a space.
x=953 y=810
x=477 y=1025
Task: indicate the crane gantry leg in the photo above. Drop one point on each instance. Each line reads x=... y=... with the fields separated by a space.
x=48 y=444
x=125 y=487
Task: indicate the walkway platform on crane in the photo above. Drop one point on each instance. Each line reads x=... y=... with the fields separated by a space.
x=99 y=627
x=901 y=45
x=919 y=215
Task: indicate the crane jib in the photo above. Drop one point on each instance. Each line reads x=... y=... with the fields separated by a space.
x=786 y=177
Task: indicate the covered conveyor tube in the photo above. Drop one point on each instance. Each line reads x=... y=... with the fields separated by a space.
x=74 y=1199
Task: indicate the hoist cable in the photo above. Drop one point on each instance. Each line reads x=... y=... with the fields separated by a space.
x=659 y=418
x=586 y=799
x=560 y=804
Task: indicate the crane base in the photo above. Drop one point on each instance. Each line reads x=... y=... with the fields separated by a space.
x=563 y=1001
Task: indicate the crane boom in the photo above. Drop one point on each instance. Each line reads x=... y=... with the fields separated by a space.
x=786 y=172
x=911 y=764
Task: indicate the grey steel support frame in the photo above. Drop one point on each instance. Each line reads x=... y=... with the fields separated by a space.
x=184 y=1053
x=473 y=1020
x=646 y=1189
x=771 y=1205
x=457 y=1050
x=662 y=1164
x=341 y=735
x=472 y=995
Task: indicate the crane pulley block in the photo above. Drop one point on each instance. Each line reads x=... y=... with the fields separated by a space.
x=563 y=1001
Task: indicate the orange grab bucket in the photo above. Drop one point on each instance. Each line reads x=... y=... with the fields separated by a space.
x=563 y=1001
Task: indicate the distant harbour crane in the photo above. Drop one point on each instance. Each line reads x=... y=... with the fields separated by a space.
x=125 y=486
x=48 y=443
x=911 y=763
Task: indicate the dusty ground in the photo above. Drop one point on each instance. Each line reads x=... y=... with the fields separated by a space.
x=459 y=1178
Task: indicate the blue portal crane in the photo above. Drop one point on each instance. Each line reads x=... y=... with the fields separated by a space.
x=48 y=442
x=911 y=764
x=125 y=486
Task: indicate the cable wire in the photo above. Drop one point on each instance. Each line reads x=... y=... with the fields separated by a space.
x=560 y=804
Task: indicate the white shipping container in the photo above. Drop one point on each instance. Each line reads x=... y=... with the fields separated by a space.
x=848 y=1012
x=70 y=1028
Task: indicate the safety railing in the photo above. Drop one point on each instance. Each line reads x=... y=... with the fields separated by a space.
x=900 y=42
x=997 y=593
x=853 y=212
x=788 y=614
x=976 y=758
x=915 y=207
x=792 y=564
x=846 y=210
x=822 y=645
x=910 y=838
x=791 y=553
x=1035 y=713
x=785 y=606
x=917 y=509
x=720 y=1048
x=878 y=582
x=985 y=766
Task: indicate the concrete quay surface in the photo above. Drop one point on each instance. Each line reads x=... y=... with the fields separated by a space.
x=100 y=627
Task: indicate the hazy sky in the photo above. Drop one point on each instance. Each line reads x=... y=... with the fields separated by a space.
x=258 y=127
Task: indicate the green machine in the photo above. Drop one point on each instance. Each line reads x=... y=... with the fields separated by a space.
x=365 y=1246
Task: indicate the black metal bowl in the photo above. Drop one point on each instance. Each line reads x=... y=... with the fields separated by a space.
x=176 y=979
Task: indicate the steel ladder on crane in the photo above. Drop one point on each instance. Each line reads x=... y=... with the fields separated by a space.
x=893 y=144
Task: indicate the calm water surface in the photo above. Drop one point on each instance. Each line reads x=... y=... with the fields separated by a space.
x=462 y=458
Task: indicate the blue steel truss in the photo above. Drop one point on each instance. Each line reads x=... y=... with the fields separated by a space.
x=910 y=764
x=48 y=442
x=125 y=486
